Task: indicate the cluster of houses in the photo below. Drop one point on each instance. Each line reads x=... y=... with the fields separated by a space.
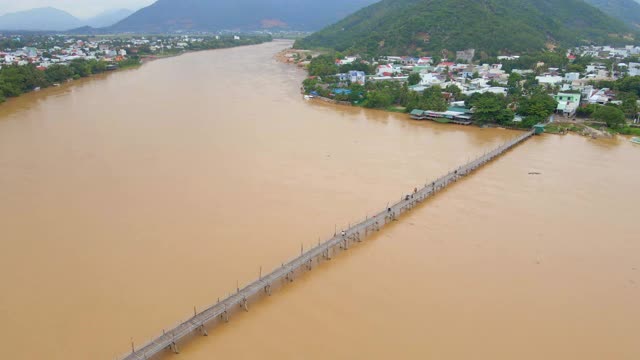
x=468 y=77
x=47 y=50
x=571 y=89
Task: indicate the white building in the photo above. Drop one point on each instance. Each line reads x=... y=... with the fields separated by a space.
x=549 y=79
x=347 y=60
x=357 y=77
x=572 y=76
x=429 y=79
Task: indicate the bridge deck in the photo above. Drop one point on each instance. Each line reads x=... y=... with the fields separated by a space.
x=169 y=339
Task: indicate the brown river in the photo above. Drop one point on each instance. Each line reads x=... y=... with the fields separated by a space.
x=127 y=199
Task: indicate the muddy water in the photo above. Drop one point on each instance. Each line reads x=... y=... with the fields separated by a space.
x=129 y=199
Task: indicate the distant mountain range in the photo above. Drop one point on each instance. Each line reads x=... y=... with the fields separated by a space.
x=108 y=18
x=489 y=26
x=213 y=15
x=166 y=16
x=52 y=19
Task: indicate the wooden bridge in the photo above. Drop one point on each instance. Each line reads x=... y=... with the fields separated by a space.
x=263 y=285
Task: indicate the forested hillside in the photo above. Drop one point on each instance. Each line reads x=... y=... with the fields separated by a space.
x=625 y=10
x=489 y=26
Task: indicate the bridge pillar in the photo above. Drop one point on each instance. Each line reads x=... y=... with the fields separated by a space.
x=225 y=316
x=267 y=289
x=244 y=304
x=309 y=264
x=203 y=330
x=174 y=347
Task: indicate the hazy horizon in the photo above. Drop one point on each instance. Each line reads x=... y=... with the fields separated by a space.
x=80 y=9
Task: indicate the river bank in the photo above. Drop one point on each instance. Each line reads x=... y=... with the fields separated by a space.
x=56 y=75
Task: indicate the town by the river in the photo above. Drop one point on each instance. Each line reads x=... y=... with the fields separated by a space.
x=127 y=199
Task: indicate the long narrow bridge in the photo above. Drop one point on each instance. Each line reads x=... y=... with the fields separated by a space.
x=263 y=285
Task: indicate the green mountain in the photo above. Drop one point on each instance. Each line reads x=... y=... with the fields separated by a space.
x=491 y=27
x=625 y=10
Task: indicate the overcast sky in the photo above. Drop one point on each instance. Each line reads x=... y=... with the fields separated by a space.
x=79 y=8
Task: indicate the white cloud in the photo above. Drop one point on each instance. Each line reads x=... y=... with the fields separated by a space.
x=79 y=8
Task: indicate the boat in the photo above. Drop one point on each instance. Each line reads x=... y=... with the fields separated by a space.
x=635 y=140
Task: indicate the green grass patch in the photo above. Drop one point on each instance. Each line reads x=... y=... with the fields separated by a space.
x=628 y=131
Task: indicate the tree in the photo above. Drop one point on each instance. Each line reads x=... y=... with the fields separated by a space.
x=378 y=99
x=629 y=104
x=489 y=107
x=611 y=115
x=414 y=78
x=323 y=65
x=629 y=84
x=540 y=105
x=586 y=111
x=58 y=73
x=432 y=99
x=453 y=90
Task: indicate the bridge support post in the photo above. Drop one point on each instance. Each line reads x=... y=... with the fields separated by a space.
x=174 y=347
x=309 y=264
x=203 y=330
x=244 y=304
x=225 y=316
x=267 y=289
x=289 y=276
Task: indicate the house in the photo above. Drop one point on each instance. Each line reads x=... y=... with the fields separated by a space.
x=572 y=76
x=424 y=61
x=601 y=96
x=444 y=65
x=549 y=79
x=386 y=70
x=346 y=61
x=430 y=79
x=406 y=60
x=342 y=77
x=357 y=77
x=568 y=103
x=634 y=69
